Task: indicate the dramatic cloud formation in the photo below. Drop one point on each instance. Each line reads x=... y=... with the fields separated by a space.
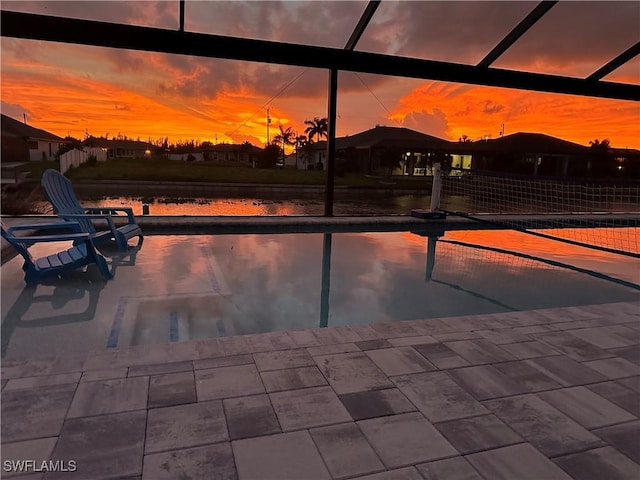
x=70 y=89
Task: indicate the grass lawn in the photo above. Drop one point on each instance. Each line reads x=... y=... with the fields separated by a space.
x=177 y=171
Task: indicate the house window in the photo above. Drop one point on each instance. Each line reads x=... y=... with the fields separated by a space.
x=33 y=145
x=49 y=148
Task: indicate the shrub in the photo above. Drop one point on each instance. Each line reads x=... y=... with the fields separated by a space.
x=91 y=160
x=269 y=156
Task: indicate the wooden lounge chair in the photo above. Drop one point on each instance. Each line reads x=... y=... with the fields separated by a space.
x=80 y=254
x=59 y=191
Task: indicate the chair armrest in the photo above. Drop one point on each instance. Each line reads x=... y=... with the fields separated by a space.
x=74 y=226
x=31 y=239
x=82 y=216
x=86 y=216
x=127 y=210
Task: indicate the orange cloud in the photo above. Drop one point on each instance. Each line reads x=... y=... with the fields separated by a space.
x=478 y=111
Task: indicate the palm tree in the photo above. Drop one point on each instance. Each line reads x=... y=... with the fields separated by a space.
x=602 y=162
x=300 y=141
x=286 y=137
x=597 y=144
x=317 y=128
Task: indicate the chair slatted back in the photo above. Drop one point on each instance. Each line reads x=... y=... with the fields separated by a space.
x=59 y=191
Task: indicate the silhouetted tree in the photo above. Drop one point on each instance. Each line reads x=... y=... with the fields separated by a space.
x=70 y=144
x=318 y=127
x=602 y=162
x=390 y=158
x=285 y=137
x=269 y=156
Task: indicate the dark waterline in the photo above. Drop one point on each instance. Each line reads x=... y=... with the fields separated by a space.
x=272 y=204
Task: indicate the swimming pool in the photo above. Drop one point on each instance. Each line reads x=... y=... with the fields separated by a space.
x=185 y=287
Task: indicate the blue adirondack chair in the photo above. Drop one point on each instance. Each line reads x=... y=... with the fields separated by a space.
x=59 y=191
x=82 y=253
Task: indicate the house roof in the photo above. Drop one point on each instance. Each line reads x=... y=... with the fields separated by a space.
x=231 y=147
x=381 y=136
x=534 y=143
x=125 y=144
x=16 y=128
x=389 y=137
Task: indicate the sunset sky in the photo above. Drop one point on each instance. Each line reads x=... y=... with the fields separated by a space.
x=70 y=89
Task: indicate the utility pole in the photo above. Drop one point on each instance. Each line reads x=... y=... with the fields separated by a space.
x=24 y=116
x=268 y=122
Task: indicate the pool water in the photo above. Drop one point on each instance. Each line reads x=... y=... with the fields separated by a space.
x=185 y=287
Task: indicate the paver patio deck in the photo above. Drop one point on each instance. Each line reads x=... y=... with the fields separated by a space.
x=489 y=397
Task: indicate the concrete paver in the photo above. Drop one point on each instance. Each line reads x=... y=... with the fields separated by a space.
x=251 y=416
x=485 y=382
x=441 y=356
x=529 y=349
x=546 y=428
x=308 y=407
x=198 y=463
x=407 y=473
x=605 y=462
x=106 y=446
x=41 y=381
x=376 y=403
x=525 y=374
x=286 y=455
x=572 y=346
x=586 y=407
x=566 y=371
x=226 y=382
x=399 y=361
x=292 y=379
x=282 y=359
x=35 y=413
x=624 y=438
x=109 y=396
x=614 y=367
x=478 y=352
x=345 y=451
x=38 y=450
x=475 y=434
x=146 y=370
x=518 y=461
x=171 y=389
x=619 y=394
x=456 y=468
x=405 y=439
x=438 y=397
x=352 y=372
x=185 y=426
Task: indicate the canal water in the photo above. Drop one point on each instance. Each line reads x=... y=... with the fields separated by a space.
x=375 y=204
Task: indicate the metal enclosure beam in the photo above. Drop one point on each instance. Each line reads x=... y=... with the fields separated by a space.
x=520 y=29
x=88 y=32
x=330 y=153
x=620 y=60
x=182 y=15
x=370 y=9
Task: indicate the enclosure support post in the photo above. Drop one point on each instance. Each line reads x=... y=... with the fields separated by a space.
x=326 y=280
x=436 y=188
x=431 y=256
x=331 y=143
